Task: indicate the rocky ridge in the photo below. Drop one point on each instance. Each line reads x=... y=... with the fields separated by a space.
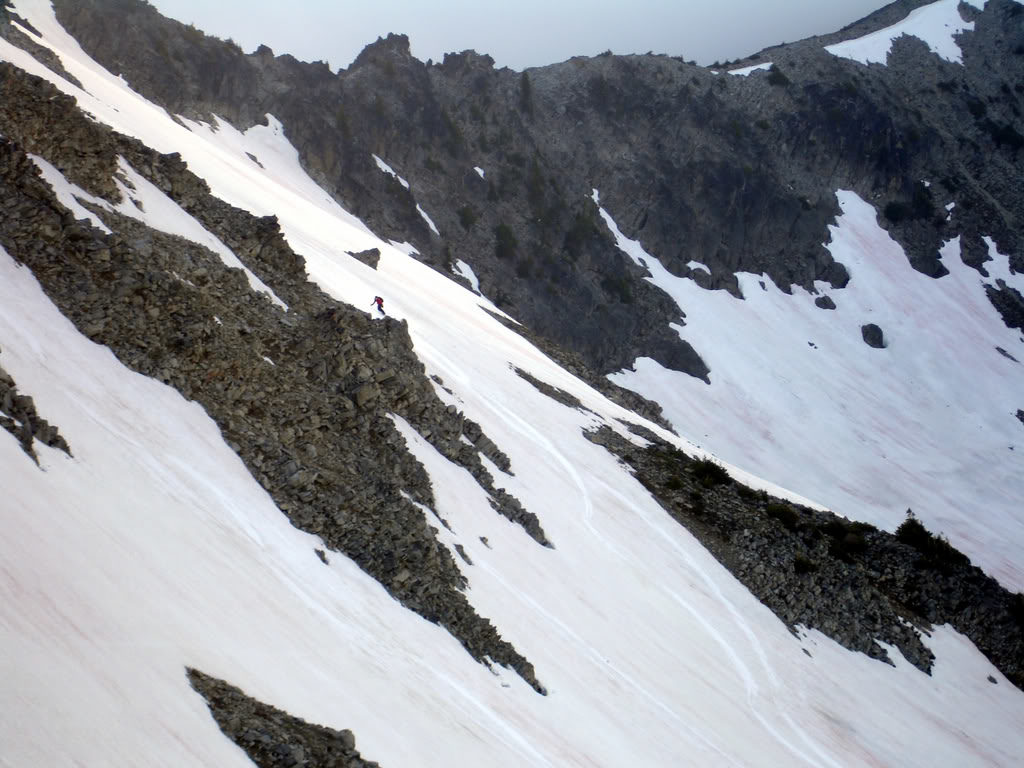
x=855 y=583
x=272 y=738
x=18 y=32
x=305 y=397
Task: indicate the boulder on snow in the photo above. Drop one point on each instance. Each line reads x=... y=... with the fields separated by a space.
x=872 y=336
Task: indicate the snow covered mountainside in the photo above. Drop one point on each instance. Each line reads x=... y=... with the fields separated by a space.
x=417 y=533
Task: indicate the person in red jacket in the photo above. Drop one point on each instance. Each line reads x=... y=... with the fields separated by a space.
x=380 y=303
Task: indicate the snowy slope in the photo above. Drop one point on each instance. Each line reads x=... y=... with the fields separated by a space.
x=936 y=24
x=152 y=550
x=926 y=423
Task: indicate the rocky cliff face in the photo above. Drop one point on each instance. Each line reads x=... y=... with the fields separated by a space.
x=737 y=173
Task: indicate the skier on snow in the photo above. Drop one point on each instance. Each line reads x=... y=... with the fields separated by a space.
x=380 y=304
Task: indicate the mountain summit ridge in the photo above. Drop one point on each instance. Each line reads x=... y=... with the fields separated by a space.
x=645 y=124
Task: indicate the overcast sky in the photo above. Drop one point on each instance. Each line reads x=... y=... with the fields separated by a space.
x=519 y=34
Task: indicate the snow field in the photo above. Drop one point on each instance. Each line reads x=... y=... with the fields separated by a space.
x=867 y=432
x=153 y=549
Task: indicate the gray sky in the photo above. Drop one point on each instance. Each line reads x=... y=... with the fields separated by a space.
x=525 y=33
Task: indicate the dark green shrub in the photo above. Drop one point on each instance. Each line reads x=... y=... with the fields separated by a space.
x=802 y=564
x=838 y=551
x=846 y=538
x=525 y=95
x=505 y=242
x=618 y=286
x=453 y=140
x=912 y=532
x=785 y=514
x=666 y=458
x=709 y=474
x=856 y=526
x=193 y=34
x=1004 y=135
x=937 y=550
x=896 y=211
x=776 y=77
x=835 y=529
x=467 y=216
x=853 y=542
x=583 y=229
x=748 y=494
x=674 y=483
x=697 y=503
x=976 y=107
x=921 y=205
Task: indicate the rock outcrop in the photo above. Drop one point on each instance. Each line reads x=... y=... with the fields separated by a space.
x=305 y=397
x=19 y=417
x=273 y=738
x=849 y=580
